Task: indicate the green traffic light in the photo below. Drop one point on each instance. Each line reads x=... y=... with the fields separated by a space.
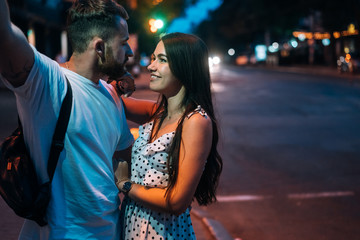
x=158 y=23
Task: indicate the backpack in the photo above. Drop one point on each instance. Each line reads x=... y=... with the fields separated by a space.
x=19 y=186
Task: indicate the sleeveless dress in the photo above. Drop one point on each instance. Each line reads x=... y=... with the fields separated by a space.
x=149 y=168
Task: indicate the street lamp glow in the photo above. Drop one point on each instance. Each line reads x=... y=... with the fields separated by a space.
x=153 y=29
x=151 y=22
x=155 y=24
x=211 y=63
x=301 y=37
x=231 y=52
x=216 y=60
x=294 y=43
x=158 y=23
x=272 y=49
x=326 y=42
x=260 y=52
x=275 y=45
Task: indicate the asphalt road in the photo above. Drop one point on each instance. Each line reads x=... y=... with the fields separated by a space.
x=291 y=151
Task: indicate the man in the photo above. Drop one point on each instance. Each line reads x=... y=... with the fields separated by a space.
x=84 y=201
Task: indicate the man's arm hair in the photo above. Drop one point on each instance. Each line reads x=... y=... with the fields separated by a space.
x=17 y=57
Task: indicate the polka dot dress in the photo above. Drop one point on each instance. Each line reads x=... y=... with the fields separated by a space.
x=149 y=169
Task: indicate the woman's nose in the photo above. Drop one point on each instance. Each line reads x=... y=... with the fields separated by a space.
x=151 y=67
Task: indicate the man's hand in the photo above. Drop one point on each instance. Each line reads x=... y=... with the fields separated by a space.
x=125 y=85
x=122 y=174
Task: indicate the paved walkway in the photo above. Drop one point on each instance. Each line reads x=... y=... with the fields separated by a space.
x=307 y=69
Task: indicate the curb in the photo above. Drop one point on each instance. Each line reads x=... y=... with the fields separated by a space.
x=215 y=228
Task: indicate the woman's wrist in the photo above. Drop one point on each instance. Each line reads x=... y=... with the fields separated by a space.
x=125 y=186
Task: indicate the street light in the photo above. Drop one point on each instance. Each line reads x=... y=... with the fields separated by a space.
x=155 y=24
x=231 y=52
x=159 y=23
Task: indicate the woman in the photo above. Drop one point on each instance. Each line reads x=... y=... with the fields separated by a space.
x=174 y=159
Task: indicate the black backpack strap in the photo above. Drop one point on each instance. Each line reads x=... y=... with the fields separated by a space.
x=57 y=144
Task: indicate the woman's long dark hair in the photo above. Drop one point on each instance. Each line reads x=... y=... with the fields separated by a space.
x=188 y=61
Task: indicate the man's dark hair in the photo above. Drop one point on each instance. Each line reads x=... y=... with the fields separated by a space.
x=90 y=18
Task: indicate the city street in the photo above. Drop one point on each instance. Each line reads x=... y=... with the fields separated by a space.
x=291 y=151
x=290 y=143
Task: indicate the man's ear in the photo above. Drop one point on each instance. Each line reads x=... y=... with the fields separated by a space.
x=100 y=49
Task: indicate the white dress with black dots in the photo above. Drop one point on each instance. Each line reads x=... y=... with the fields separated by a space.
x=149 y=168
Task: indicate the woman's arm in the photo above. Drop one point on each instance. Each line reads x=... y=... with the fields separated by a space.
x=194 y=150
x=138 y=110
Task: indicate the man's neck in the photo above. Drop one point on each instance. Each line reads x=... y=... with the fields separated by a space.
x=83 y=65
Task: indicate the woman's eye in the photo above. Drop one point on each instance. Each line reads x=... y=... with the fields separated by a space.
x=162 y=60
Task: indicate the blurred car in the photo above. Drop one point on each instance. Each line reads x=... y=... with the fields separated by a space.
x=214 y=63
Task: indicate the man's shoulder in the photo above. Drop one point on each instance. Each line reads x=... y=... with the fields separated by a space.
x=46 y=67
x=110 y=89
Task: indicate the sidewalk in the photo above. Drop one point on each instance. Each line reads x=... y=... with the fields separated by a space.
x=307 y=69
x=207 y=228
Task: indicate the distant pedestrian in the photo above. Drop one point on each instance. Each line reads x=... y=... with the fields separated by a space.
x=84 y=199
x=175 y=157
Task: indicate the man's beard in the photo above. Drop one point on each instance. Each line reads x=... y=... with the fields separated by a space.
x=111 y=68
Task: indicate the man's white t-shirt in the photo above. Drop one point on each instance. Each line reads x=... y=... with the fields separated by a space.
x=84 y=203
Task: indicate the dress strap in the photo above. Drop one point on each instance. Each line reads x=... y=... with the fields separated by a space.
x=198 y=109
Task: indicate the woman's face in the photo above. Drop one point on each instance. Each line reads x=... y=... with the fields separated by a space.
x=162 y=79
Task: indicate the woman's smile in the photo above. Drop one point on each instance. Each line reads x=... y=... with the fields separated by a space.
x=154 y=76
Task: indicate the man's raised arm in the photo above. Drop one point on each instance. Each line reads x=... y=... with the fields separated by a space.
x=16 y=55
